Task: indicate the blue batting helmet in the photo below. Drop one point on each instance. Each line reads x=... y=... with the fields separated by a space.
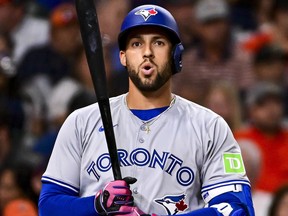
x=153 y=15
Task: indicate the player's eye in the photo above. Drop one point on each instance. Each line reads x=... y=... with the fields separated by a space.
x=136 y=44
x=159 y=43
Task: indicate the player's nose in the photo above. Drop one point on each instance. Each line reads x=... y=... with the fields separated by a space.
x=147 y=51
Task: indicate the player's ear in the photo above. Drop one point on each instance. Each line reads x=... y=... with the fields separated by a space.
x=122 y=56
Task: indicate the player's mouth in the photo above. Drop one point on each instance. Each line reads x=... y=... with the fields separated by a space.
x=147 y=68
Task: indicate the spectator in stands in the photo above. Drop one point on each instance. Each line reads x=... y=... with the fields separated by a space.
x=242 y=16
x=81 y=72
x=25 y=30
x=43 y=66
x=275 y=31
x=110 y=13
x=279 y=206
x=279 y=29
x=7 y=66
x=216 y=55
x=16 y=194
x=48 y=5
x=183 y=10
x=252 y=158
x=5 y=138
x=263 y=11
x=265 y=128
x=11 y=110
x=38 y=171
x=136 y=3
x=7 y=72
x=223 y=98
x=117 y=82
x=269 y=65
x=59 y=100
x=6 y=43
x=63 y=100
x=54 y=60
x=11 y=115
x=117 y=78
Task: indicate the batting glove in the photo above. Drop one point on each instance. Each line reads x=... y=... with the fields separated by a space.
x=132 y=211
x=114 y=195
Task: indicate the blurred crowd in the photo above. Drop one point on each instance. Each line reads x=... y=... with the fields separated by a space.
x=235 y=63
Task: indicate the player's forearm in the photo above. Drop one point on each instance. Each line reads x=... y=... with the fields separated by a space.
x=135 y=211
x=62 y=205
x=202 y=212
x=214 y=212
x=58 y=203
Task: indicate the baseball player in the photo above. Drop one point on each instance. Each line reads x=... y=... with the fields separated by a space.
x=183 y=156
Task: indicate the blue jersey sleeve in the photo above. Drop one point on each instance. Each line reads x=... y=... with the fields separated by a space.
x=60 y=201
x=237 y=200
x=228 y=204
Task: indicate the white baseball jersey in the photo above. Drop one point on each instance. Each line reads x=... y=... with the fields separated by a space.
x=185 y=152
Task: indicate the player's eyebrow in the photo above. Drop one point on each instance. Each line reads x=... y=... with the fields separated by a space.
x=135 y=37
x=155 y=37
x=160 y=37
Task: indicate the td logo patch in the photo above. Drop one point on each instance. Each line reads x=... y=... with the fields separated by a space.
x=233 y=163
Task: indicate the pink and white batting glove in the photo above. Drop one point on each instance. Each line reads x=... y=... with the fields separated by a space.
x=131 y=211
x=114 y=195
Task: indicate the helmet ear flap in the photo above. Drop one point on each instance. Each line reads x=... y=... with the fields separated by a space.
x=177 y=57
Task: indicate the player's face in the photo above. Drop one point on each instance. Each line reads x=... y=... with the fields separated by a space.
x=148 y=58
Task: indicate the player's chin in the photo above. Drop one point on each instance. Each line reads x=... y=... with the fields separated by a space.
x=148 y=81
x=149 y=86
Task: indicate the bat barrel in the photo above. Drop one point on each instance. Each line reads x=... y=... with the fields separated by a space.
x=91 y=37
x=92 y=43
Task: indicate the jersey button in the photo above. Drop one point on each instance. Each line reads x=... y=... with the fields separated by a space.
x=143 y=128
x=135 y=190
x=141 y=140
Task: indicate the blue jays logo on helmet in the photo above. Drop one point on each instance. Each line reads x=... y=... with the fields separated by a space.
x=146 y=13
x=173 y=204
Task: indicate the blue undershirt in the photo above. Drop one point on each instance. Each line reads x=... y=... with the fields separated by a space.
x=146 y=115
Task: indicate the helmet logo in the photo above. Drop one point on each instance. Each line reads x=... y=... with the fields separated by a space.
x=146 y=13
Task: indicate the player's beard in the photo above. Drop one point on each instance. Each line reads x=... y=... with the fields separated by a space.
x=148 y=85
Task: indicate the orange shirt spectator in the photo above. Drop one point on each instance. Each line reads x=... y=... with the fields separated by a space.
x=16 y=192
x=265 y=109
x=274 y=150
x=20 y=207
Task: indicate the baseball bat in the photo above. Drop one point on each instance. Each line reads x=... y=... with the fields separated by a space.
x=92 y=42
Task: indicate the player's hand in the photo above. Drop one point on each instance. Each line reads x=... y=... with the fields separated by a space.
x=114 y=195
x=131 y=211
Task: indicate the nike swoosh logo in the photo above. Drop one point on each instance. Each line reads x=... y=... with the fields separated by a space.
x=101 y=129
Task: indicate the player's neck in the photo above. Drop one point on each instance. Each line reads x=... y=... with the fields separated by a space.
x=148 y=100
